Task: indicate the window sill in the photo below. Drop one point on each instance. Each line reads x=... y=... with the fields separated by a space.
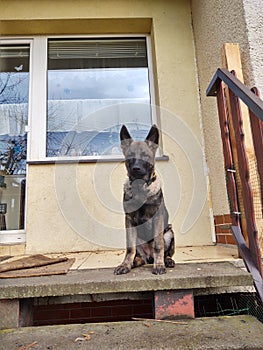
x=83 y=160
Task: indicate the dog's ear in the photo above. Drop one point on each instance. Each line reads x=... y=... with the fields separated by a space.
x=152 y=138
x=126 y=138
x=124 y=133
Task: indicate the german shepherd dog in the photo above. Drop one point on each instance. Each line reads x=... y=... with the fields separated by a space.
x=149 y=237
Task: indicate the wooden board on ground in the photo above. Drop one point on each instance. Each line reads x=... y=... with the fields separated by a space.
x=58 y=268
x=30 y=261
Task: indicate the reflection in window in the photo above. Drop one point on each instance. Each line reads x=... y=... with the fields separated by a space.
x=14 y=86
x=94 y=86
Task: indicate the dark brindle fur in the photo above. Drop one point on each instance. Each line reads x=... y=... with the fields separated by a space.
x=149 y=237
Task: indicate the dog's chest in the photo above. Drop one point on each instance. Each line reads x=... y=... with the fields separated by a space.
x=142 y=201
x=140 y=190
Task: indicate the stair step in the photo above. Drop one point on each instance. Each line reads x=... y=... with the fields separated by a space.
x=173 y=293
x=220 y=333
x=100 y=281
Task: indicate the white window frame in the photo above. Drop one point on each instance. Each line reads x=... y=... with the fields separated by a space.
x=38 y=111
x=37 y=103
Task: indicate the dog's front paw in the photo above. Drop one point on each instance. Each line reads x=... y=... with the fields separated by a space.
x=169 y=262
x=158 y=269
x=122 y=269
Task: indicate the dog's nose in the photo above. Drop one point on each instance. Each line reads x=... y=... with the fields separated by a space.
x=136 y=168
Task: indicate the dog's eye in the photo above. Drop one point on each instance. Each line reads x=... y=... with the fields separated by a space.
x=145 y=155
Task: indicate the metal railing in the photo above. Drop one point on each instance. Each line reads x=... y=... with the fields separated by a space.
x=237 y=90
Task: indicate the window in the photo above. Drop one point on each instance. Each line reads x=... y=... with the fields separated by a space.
x=14 y=92
x=80 y=91
x=94 y=86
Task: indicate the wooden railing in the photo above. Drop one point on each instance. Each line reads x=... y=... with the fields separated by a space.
x=250 y=253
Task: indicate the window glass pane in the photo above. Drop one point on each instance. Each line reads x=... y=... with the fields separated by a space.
x=96 y=53
x=94 y=86
x=14 y=89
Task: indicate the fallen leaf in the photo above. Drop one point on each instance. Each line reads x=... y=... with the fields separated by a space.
x=87 y=336
x=147 y=324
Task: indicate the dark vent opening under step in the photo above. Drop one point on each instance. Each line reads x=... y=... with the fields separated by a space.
x=90 y=312
x=229 y=304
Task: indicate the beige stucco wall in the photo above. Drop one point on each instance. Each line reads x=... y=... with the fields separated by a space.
x=217 y=22
x=254 y=20
x=78 y=207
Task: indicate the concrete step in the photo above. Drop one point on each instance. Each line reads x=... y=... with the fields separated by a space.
x=98 y=281
x=173 y=293
x=218 y=333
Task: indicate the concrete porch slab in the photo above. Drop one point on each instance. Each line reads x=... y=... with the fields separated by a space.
x=110 y=259
x=99 y=281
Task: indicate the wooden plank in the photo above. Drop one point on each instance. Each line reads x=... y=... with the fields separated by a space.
x=228 y=157
x=232 y=61
x=54 y=269
x=30 y=261
x=227 y=55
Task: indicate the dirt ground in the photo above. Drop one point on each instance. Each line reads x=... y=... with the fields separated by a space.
x=236 y=333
